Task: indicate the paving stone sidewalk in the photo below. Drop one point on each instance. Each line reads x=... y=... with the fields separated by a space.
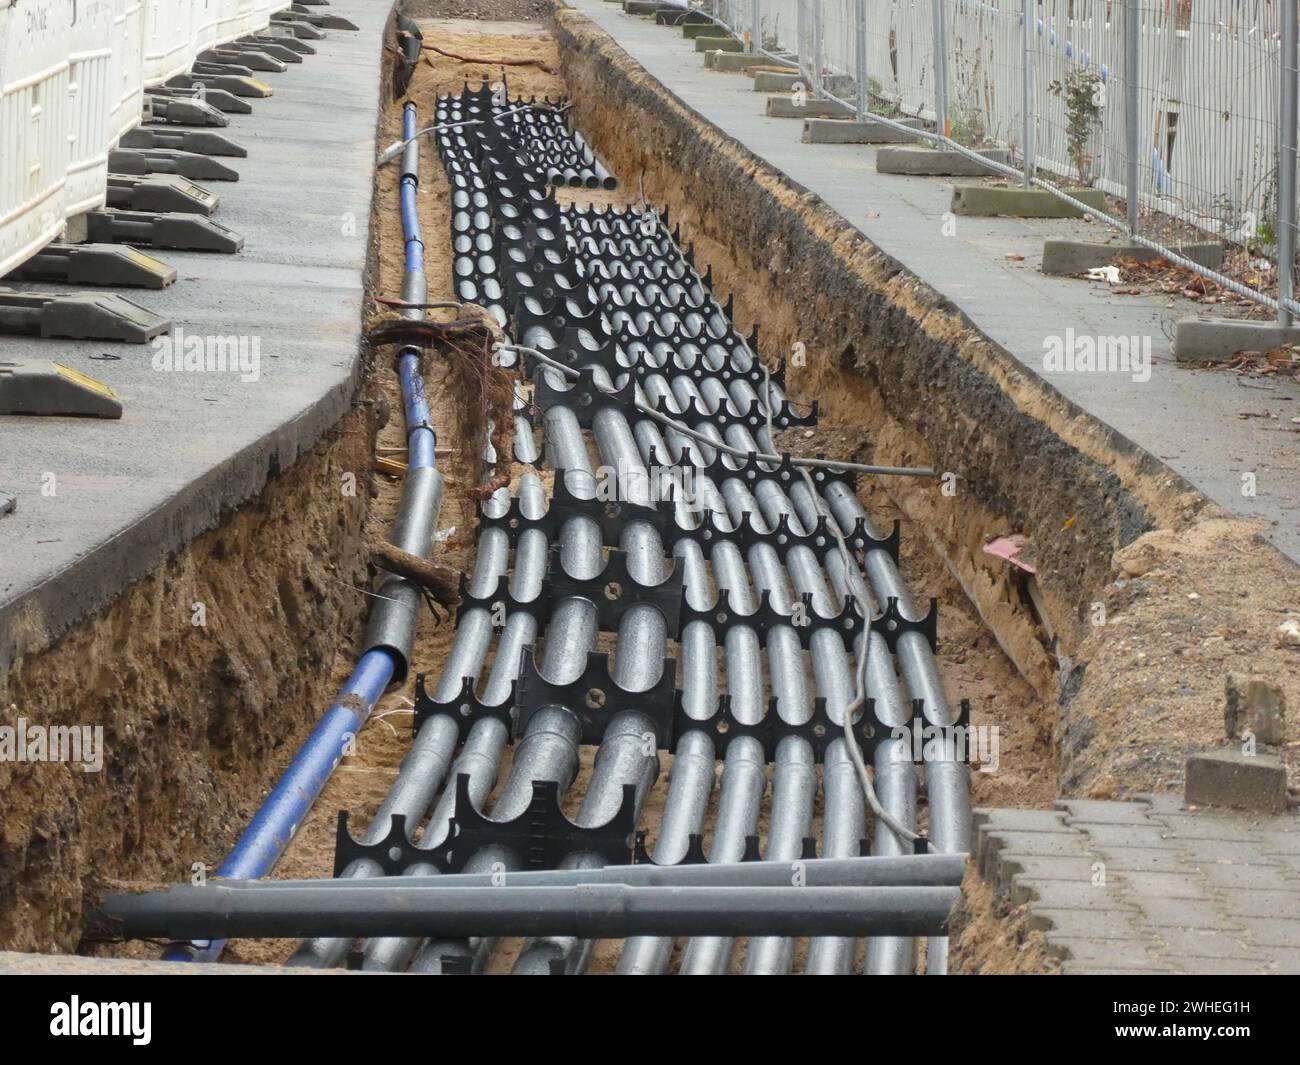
x=1151 y=885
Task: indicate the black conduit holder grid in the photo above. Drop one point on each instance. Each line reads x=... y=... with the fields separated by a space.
x=595 y=698
x=611 y=515
x=613 y=591
x=804 y=618
x=820 y=731
x=783 y=538
x=753 y=469
x=752 y=417
x=542 y=836
x=465 y=708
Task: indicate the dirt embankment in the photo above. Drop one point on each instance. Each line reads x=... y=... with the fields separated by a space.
x=899 y=368
x=205 y=677
x=989 y=936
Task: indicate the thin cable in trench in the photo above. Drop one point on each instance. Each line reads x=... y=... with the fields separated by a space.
x=686 y=430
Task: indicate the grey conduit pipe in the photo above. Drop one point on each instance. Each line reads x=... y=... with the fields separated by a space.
x=480 y=757
x=425 y=766
x=549 y=748
x=574 y=911
x=627 y=753
x=899 y=796
x=898 y=784
x=947 y=782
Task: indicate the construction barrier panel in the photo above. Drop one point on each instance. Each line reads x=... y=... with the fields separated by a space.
x=90 y=103
x=35 y=126
x=72 y=81
x=126 y=68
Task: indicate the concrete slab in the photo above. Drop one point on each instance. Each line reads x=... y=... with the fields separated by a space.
x=101 y=504
x=1230 y=778
x=732 y=61
x=937 y=162
x=767 y=81
x=840 y=131
x=988 y=267
x=1079 y=256
x=1205 y=339
x=718 y=44
x=1022 y=203
x=789 y=107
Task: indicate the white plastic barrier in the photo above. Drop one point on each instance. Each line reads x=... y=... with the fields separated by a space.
x=34 y=125
x=168 y=39
x=72 y=78
x=90 y=103
x=206 y=20
x=126 y=71
x=237 y=19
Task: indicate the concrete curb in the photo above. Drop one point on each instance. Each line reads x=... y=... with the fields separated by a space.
x=1021 y=203
x=839 y=131
x=731 y=61
x=1203 y=339
x=718 y=44
x=1076 y=256
x=767 y=81
x=785 y=107
x=936 y=162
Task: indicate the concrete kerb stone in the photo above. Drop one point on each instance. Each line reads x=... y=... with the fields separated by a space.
x=769 y=81
x=733 y=61
x=1230 y=778
x=1205 y=339
x=841 y=131
x=718 y=44
x=788 y=107
x=1079 y=256
x=987 y=200
x=936 y=162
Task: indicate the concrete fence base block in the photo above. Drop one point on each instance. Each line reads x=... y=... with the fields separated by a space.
x=915 y=159
x=718 y=44
x=707 y=28
x=640 y=7
x=785 y=107
x=1022 y=203
x=734 y=60
x=767 y=81
x=838 y=131
x=1203 y=339
x=1076 y=256
x=1242 y=781
x=674 y=16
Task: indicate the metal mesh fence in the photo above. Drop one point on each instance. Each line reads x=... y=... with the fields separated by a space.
x=984 y=75
x=1177 y=109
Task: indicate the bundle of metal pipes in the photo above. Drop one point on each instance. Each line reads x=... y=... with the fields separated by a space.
x=734 y=561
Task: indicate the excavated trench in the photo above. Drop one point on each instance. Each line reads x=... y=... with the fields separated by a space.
x=903 y=379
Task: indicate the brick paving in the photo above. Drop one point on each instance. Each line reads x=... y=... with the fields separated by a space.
x=1150 y=885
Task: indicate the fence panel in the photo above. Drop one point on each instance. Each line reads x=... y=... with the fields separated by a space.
x=91 y=103
x=34 y=126
x=900 y=56
x=126 y=67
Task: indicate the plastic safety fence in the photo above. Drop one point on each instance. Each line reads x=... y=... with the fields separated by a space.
x=646 y=592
